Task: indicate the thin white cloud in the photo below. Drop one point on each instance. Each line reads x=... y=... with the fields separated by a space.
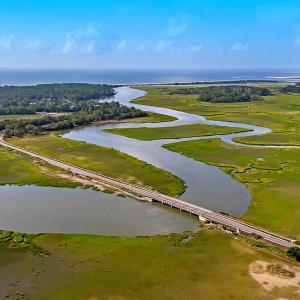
x=90 y=40
x=6 y=43
x=88 y=47
x=171 y=46
x=196 y=48
x=176 y=26
x=94 y=40
x=12 y=44
x=32 y=44
x=130 y=46
x=162 y=45
x=84 y=40
x=188 y=49
x=70 y=42
x=141 y=47
x=122 y=46
x=239 y=46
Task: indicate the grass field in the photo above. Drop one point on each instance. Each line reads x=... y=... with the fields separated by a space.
x=106 y=161
x=16 y=168
x=280 y=112
x=283 y=138
x=147 y=134
x=30 y=117
x=272 y=176
x=205 y=265
x=18 y=117
x=152 y=118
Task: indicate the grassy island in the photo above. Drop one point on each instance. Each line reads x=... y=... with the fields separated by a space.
x=103 y=160
x=278 y=111
x=176 y=132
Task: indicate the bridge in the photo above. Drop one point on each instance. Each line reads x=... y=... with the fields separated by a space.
x=149 y=194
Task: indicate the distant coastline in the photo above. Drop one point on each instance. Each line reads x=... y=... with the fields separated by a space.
x=139 y=77
x=214 y=82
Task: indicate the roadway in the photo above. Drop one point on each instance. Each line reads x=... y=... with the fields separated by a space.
x=153 y=195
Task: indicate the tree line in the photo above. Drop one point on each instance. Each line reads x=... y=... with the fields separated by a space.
x=64 y=97
x=225 y=94
x=104 y=111
x=291 y=88
x=223 y=82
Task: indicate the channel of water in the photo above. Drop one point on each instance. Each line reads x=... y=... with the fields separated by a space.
x=47 y=209
x=207 y=186
x=34 y=209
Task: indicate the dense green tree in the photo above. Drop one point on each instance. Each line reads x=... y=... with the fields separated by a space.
x=231 y=93
x=294 y=252
x=81 y=104
x=103 y=111
x=65 y=97
x=291 y=88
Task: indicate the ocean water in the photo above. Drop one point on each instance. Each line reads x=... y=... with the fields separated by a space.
x=29 y=77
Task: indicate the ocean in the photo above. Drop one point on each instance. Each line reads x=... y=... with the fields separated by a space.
x=29 y=77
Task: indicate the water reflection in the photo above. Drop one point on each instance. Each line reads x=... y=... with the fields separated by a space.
x=33 y=209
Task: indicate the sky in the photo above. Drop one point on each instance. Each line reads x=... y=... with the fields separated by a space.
x=150 y=34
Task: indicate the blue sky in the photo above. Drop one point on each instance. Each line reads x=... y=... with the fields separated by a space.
x=154 y=34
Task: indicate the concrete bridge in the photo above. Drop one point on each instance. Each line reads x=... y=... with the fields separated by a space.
x=149 y=194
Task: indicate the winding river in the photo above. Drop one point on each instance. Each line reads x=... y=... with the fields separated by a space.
x=35 y=209
x=206 y=185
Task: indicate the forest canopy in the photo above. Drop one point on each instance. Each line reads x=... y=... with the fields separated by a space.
x=64 y=97
x=104 y=111
x=226 y=94
x=291 y=88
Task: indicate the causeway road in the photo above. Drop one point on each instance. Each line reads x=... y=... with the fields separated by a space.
x=147 y=193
